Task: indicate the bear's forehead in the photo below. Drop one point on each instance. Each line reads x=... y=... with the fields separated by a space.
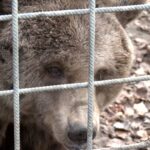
x=62 y=33
x=64 y=39
x=55 y=5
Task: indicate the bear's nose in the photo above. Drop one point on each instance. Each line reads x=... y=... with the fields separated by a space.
x=78 y=133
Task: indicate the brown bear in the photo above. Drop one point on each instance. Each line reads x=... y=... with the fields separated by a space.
x=55 y=50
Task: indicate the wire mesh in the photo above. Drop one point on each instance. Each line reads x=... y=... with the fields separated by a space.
x=90 y=85
x=92 y=6
x=16 y=74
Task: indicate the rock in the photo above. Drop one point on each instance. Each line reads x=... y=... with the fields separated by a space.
x=129 y=111
x=140 y=109
x=142 y=134
x=148 y=48
x=142 y=43
x=122 y=134
x=146 y=66
x=135 y=125
x=148 y=115
x=121 y=126
x=115 y=142
x=142 y=91
x=119 y=116
x=140 y=71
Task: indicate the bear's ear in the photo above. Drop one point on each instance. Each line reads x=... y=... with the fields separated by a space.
x=124 y=17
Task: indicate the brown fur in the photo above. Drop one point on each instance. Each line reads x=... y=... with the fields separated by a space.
x=54 y=50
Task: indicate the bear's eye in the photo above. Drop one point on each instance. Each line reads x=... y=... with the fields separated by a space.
x=104 y=74
x=11 y=86
x=55 y=72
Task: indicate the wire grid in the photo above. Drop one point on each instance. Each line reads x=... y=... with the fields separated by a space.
x=15 y=33
x=92 y=4
x=90 y=84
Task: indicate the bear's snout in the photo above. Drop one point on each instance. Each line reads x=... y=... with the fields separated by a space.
x=78 y=128
x=78 y=133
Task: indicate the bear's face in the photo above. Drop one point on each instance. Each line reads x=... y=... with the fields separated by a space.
x=55 y=50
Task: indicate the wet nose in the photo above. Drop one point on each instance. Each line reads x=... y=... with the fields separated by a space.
x=78 y=133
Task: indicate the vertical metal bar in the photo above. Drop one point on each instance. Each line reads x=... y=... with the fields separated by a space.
x=92 y=4
x=16 y=73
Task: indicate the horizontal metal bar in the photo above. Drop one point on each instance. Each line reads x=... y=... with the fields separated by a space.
x=77 y=85
x=77 y=12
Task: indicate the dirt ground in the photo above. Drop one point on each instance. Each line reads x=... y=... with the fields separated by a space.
x=127 y=120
